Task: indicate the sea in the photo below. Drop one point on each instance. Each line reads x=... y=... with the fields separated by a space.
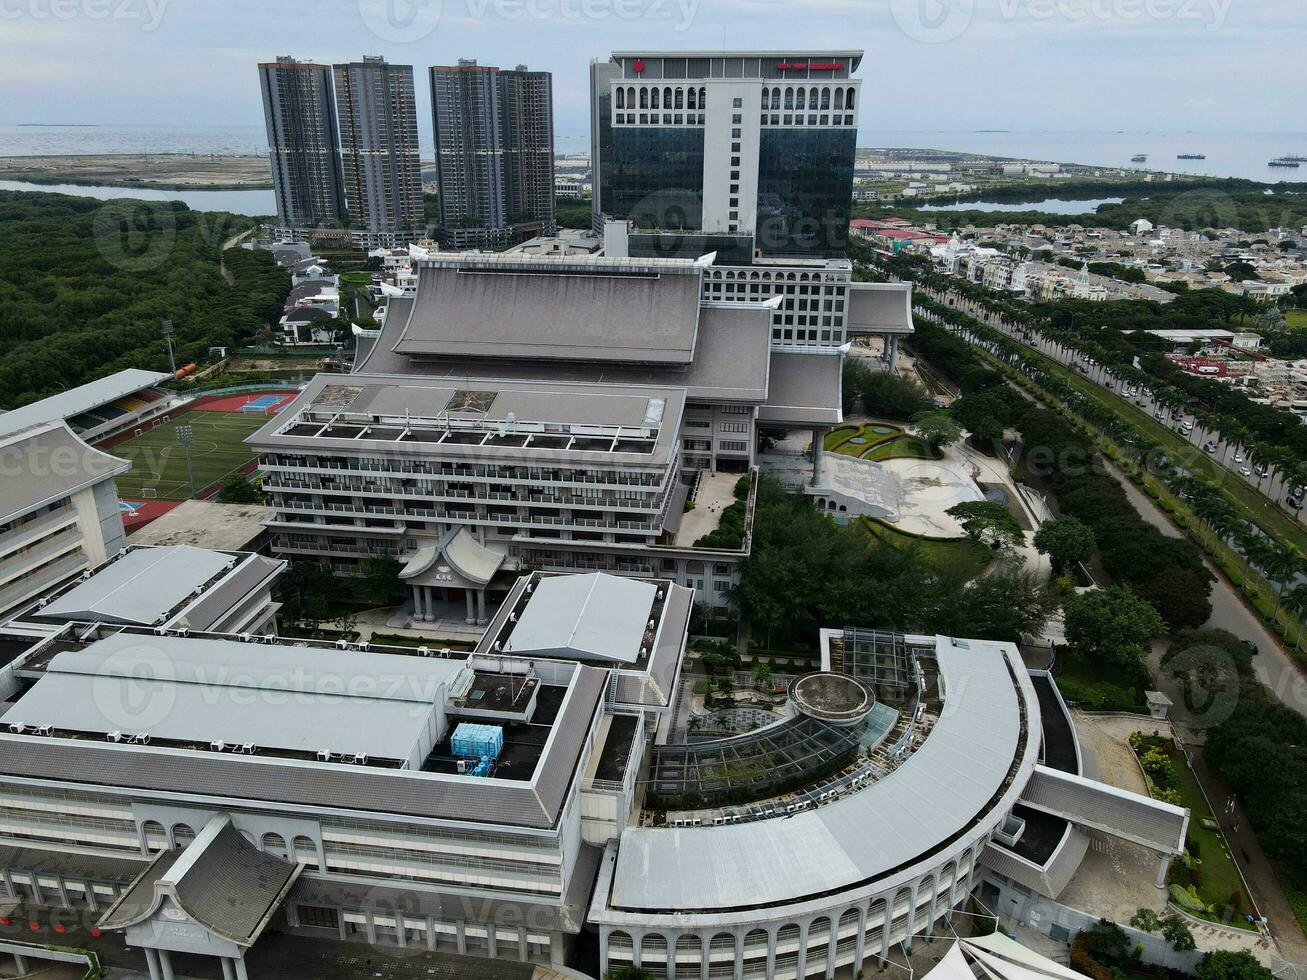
x=1243 y=155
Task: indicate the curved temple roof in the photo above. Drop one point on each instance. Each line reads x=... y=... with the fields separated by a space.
x=934 y=796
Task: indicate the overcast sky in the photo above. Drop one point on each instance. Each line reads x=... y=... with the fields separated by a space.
x=1074 y=65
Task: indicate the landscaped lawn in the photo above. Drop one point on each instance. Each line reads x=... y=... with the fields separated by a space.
x=961 y=556
x=860 y=440
x=1297 y=319
x=1219 y=881
x=904 y=447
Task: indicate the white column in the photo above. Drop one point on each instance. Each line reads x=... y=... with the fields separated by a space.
x=165 y=964
x=417 y=601
x=818 y=448
x=241 y=973
x=471 y=613
x=228 y=971
x=482 y=618
x=1163 y=867
x=152 y=963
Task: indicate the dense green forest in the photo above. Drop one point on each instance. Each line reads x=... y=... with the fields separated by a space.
x=1192 y=205
x=85 y=283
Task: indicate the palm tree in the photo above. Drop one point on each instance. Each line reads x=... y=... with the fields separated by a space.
x=1296 y=599
x=1282 y=563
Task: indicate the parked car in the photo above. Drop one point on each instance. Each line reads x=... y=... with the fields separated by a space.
x=1238 y=458
x=1211 y=448
x=1245 y=471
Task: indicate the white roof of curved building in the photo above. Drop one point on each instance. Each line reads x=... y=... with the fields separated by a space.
x=597 y=617
x=892 y=823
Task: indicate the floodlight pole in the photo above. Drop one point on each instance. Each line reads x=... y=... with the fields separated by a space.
x=172 y=362
x=186 y=438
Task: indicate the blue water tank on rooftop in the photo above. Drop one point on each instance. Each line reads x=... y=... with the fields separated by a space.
x=471 y=741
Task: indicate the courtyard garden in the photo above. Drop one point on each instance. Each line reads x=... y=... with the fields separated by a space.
x=1204 y=881
x=878 y=441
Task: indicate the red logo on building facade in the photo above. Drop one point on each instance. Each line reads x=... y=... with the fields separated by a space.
x=809 y=66
x=639 y=65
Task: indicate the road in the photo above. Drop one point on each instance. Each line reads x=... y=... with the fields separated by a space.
x=1281 y=674
x=1228 y=454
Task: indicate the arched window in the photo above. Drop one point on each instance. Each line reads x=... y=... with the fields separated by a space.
x=644 y=98
x=703 y=98
x=800 y=98
x=693 y=102
x=621 y=98
x=680 y=98
x=825 y=98
x=620 y=942
x=848 y=103
x=789 y=98
x=275 y=844
x=182 y=835
x=630 y=97
x=306 y=852
x=689 y=954
x=839 y=99
x=156 y=838
x=653 y=98
x=776 y=98
x=667 y=97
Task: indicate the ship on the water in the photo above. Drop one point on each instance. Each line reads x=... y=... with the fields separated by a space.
x=1139 y=158
x=1285 y=162
x=1192 y=156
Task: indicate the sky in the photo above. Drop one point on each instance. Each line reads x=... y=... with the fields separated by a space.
x=1209 y=66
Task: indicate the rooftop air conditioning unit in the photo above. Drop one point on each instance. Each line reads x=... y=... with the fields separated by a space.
x=497 y=646
x=651 y=624
x=512 y=617
x=247 y=748
x=361 y=759
x=247 y=637
x=161 y=631
x=530 y=587
x=115 y=736
x=141 y=738
x=18 y=728
x=218 y=746
x=363 y=645
x=341 y=645
x=44 y=730
x=324 y=755
x=424 y=651
x=444 y=651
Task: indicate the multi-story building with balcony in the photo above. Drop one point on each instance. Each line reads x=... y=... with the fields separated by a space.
x=494 y=153
x=380 y=169
x=543 y=412
x=59 y=511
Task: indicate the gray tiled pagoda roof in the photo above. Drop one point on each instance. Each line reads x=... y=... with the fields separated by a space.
x=878 y=306
x=731 y=361
x=46 y=462
x=554 y=311
x=220 y=881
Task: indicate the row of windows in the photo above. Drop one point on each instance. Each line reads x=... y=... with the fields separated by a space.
x=652 y=97
x=822 y=99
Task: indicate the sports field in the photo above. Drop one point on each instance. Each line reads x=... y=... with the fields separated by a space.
x=159 y=463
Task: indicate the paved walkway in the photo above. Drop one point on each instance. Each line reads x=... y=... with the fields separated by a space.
x=716 y=493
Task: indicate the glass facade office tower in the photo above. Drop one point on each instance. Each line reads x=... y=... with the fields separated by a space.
x=494 y=153
x=299 y=109
x=749 y=154
x=380 y=166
